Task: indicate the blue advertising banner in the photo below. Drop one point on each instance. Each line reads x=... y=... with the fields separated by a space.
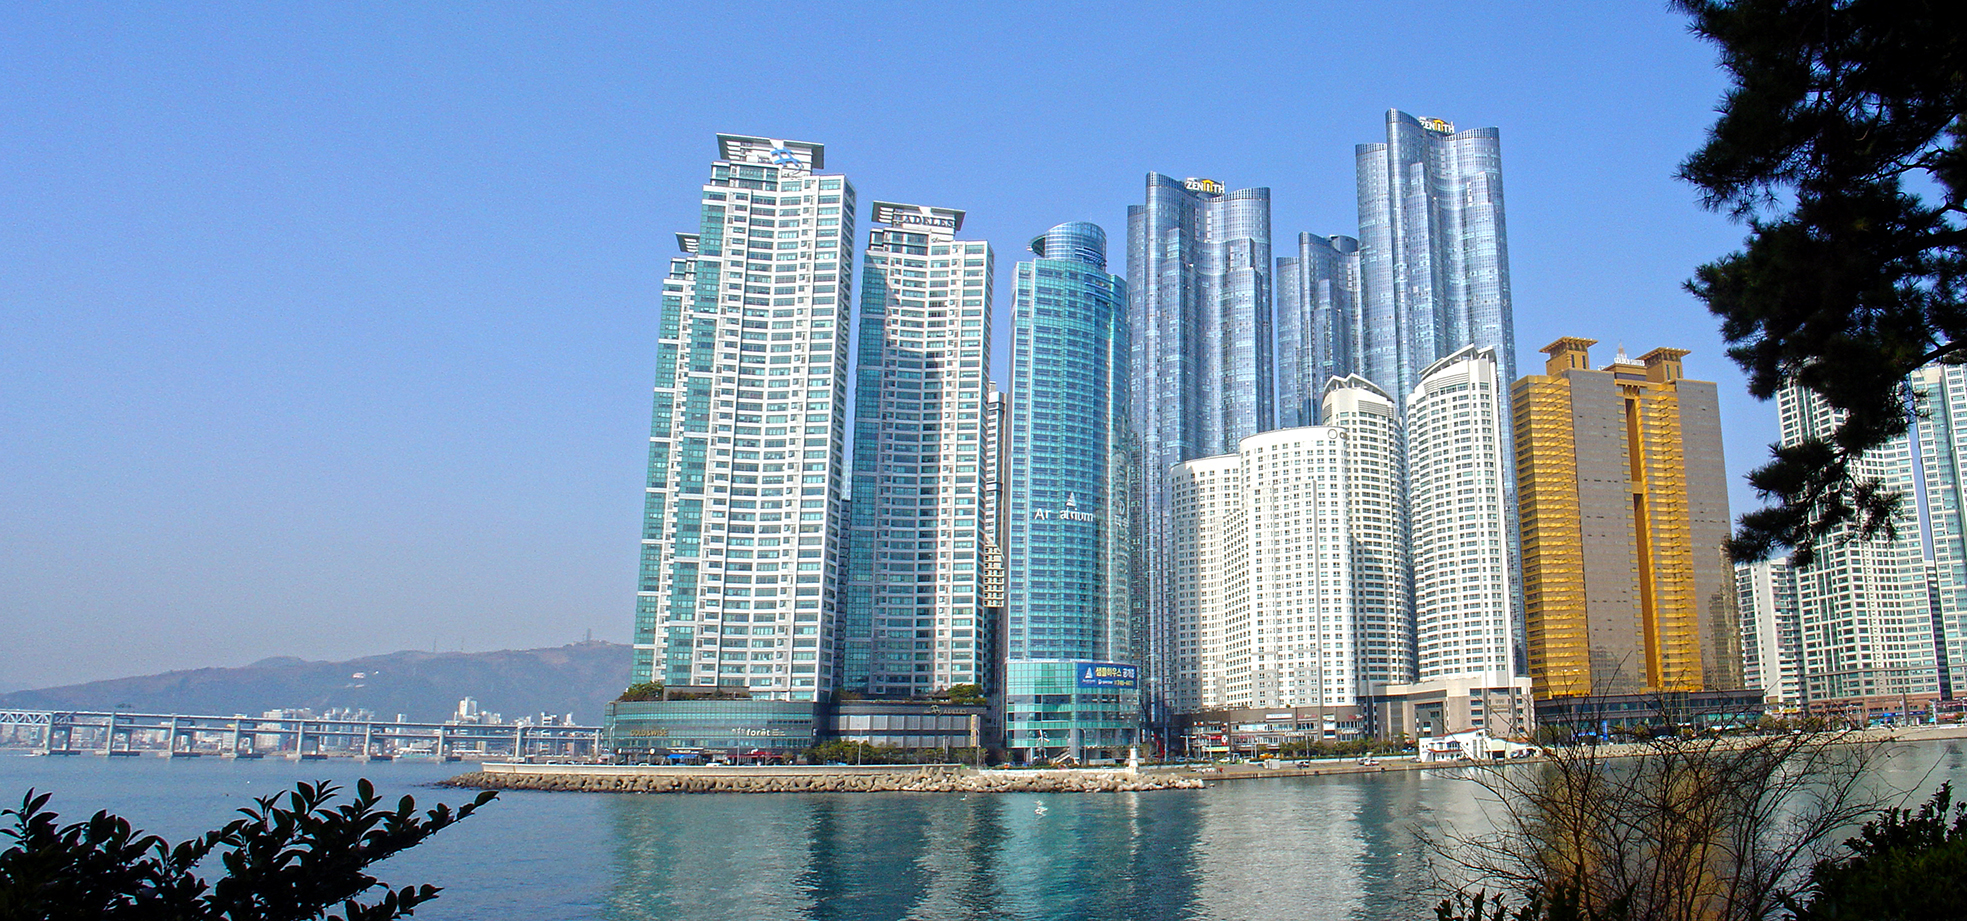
x=1108 y=675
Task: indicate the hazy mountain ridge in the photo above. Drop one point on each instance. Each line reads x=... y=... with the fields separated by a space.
x=577 y=678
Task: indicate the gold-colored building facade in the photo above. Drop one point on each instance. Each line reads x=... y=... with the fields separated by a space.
x=1623 y=499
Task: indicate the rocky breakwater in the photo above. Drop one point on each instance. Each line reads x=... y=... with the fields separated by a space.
x=910 y=779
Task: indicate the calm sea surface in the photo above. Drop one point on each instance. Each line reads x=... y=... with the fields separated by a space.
x=1310 y=848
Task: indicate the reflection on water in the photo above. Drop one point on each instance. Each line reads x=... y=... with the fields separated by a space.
x=1340 y=848
x=904 y=856
x=1320 y=847
x=1334 y=847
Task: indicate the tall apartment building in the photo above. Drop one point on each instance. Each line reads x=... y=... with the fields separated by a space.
x=1772 y=630
x=1072 y=648
x=1433 y=250
x=996 y=436
x=916 y=620
x=1457 y=452
x=1210 y=622
x=1866 y=606
x=1199 y=280
x=1317 y=322
x=1376 y=520
x=743 y=529
x=1265 y=571
x=1941 y=431
x=1623 y=500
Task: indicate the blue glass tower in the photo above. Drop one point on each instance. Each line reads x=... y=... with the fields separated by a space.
x=1318 y=334
x=1199 y=290
x=1071 y=642
x=1433 y=250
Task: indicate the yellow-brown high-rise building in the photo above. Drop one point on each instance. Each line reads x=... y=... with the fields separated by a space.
x=1624 y=508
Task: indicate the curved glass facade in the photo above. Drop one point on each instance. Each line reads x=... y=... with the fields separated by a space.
x=1075 y=240
x=1070 y=548
x=1199 y=282
x=1317 y=328
x=1434 y=267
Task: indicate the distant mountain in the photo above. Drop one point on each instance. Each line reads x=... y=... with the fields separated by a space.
x=424 y=686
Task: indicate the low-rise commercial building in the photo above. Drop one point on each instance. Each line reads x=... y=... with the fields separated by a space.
x=1499 y=705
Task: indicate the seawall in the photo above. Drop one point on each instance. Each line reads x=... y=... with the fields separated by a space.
x=937 y=778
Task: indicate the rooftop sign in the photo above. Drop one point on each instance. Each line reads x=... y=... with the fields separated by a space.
x=798 y=156
x=917 y=216
x=1208 y=186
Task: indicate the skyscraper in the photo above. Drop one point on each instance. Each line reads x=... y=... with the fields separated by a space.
x=1264 y=572
x=1071 y=644
x=1772 y=630
x=743 y=530
x=996 y=432
x=915 y=620
x=1376 y=521
x=1867 y=615
x=1457 y=453
x=1209 y=622
x=1941 y=430
x=1199 y=277
x=1317 y=323
x=1624 y=510
x=1433 y=251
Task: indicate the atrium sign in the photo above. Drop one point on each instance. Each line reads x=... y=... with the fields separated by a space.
x=1071 y=511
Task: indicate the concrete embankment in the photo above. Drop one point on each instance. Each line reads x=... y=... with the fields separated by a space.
x=594 y=778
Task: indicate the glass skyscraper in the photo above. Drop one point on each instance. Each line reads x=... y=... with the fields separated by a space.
x=743 y=524
x=1199 y=282
x=1433 y=252
x=1071 y=643
x=1318 y=328
x=915 y=619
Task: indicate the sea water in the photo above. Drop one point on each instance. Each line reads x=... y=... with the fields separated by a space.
x=1334 y=847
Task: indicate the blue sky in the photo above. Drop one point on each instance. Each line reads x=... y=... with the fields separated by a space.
x=327 y=330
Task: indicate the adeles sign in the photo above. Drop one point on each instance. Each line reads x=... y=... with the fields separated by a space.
x=901 y=217
x=918 y=219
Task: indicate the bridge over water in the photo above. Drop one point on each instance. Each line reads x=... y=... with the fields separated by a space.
x=178 y=735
